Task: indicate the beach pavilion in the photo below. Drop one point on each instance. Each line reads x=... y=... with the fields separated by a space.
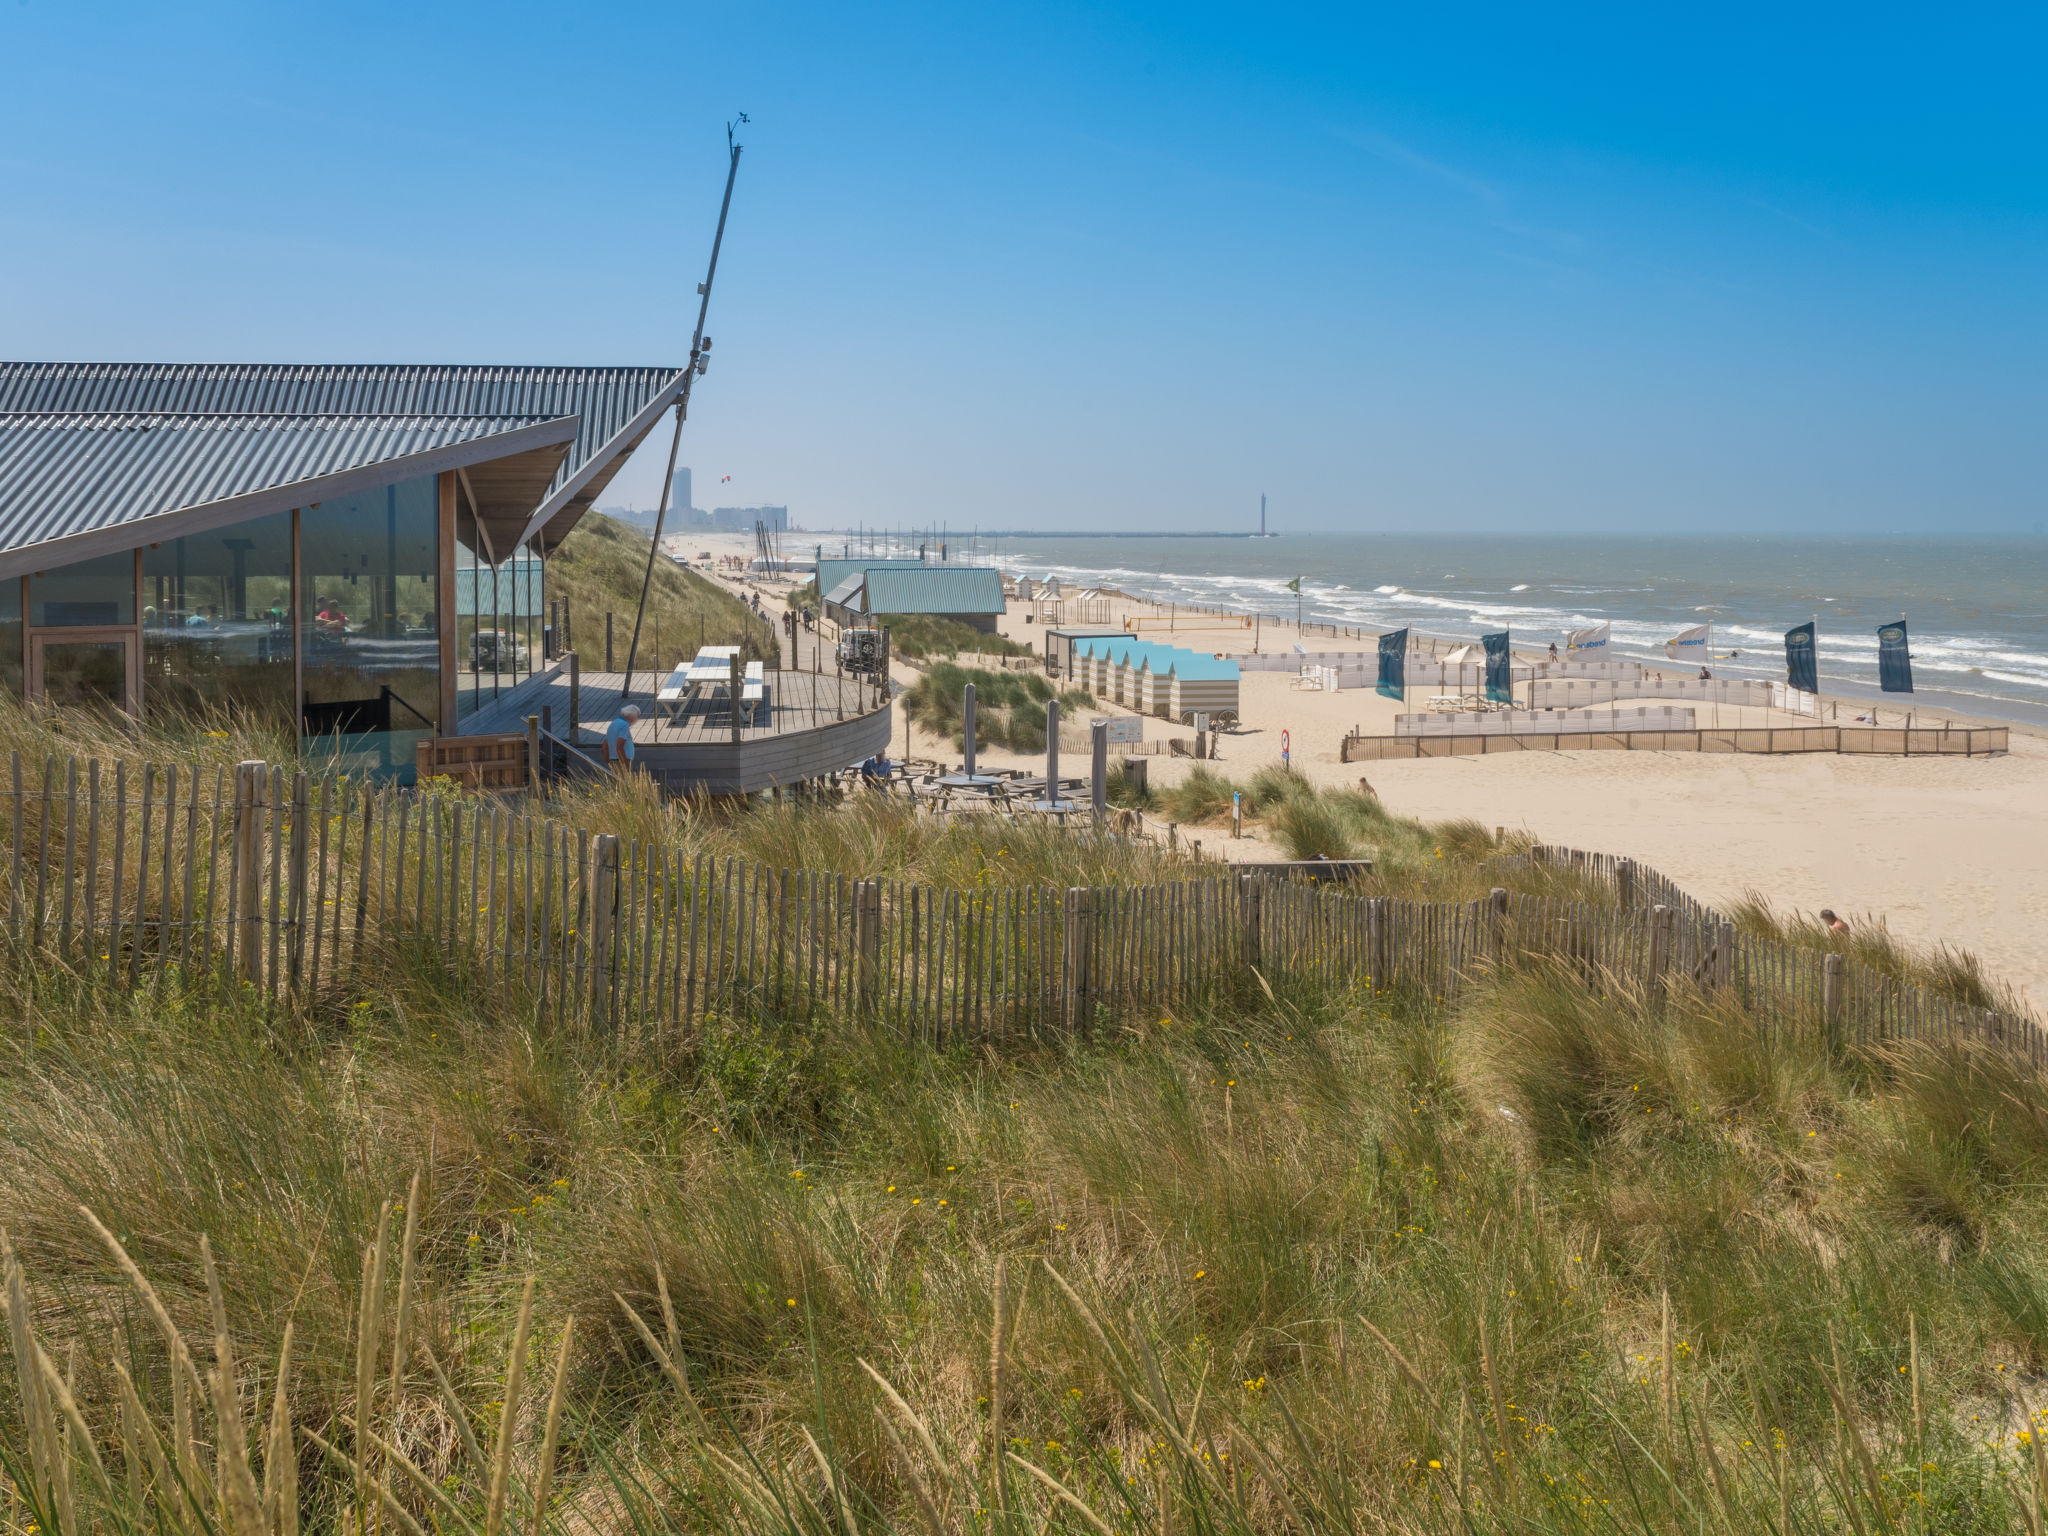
x=358 y=552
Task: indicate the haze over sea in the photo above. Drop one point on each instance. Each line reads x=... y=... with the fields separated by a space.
x=1977 y=608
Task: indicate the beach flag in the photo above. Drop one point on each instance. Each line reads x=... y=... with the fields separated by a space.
x=1693 y=645
x=1594 y=639
x=1500 y=686
x=1894 y=659
x=1800 y=669
x=1393 y=682
x=1294 y=586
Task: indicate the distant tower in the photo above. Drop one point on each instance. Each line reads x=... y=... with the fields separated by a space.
x=1262 y=513
x=679 y=491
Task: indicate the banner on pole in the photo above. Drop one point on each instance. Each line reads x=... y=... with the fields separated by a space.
x=1691 y=645
x=1594 y=639
x=1801 y=671
x=1500 y=686
x=1894 y=659
x=1393 y=683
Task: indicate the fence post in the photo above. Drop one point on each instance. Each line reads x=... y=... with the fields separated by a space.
x=1497 y=923
x=575 y=698
x=1251 y=903
x=1727 y=957
x=967 y=726
x=1625 y=884
x=735 y=674
x=867 y=943
x=1098 y=769
x=1660 y=948
x=250 y=777
x=603 y=930
x=295 y=906
x=1074 y=957
x=1376 y=944
x=533 y=756
x=1831 y=998
x=1052 y=752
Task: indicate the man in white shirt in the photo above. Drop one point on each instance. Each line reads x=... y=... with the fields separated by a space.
x=618 y=740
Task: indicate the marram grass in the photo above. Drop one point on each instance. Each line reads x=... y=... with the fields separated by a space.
x=1559 y=1258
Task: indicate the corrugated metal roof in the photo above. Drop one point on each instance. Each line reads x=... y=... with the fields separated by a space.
x=935 y=589
x=65 y=474
x=614 y=406
x=846 y=591
x=833 y=570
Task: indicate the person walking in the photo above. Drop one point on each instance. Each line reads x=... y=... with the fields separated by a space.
x=618 y=741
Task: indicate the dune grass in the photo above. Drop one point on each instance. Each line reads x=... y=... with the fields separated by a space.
x=599 y=569
x=1557 y=1259
x=921 y=636
x=1009 y=707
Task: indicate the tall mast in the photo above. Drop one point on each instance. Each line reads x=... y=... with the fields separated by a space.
x=698 y=347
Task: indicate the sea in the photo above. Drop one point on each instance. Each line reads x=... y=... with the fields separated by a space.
x=1976 y=608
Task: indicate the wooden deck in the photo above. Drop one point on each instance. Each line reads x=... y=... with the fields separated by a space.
x=811 y=725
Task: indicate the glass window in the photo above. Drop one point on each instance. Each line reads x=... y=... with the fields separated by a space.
x=10 y=636
x=216 y=622
x=369 y=632
x=92 y=592
x=498 y=620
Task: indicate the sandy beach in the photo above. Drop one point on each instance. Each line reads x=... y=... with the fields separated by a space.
x=1943 y=850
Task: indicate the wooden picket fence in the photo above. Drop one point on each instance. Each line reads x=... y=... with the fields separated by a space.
x=299 y=887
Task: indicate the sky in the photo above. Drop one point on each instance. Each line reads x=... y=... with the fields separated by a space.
x=1059 y=266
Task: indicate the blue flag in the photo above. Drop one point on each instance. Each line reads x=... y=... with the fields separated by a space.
x=1800 y=671
x=1894 y=659
x=1393 y=682
x=1500 y=686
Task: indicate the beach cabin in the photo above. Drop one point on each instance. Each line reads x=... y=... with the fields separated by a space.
x=1156 y=679
x=358 y=552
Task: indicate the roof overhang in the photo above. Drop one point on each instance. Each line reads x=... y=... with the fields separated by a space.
x=559 y=514
x=538 y=448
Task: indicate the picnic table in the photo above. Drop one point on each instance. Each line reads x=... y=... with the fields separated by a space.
x=710 y=668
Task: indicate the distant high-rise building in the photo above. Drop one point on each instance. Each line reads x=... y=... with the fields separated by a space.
x=679 y=491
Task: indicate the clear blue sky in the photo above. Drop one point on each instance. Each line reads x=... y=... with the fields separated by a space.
x=1408 y=267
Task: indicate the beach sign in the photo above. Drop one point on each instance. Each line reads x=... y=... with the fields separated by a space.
x=1593 y=639
x=1393 y=680
x=1894 y=659
x=1801 y=670
x=1286 y=753
x=1691 y=645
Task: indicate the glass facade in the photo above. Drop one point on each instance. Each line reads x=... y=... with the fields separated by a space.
x=91 y=593
x=351 y=651
x=500 y=613
x=11 y=637
x=369 y=628
x=217 y=622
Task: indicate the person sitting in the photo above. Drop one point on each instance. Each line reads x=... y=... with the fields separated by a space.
x=1705 y=675
x=1832 y=923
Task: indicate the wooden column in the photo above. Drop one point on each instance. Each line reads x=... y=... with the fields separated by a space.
x=444 y=599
